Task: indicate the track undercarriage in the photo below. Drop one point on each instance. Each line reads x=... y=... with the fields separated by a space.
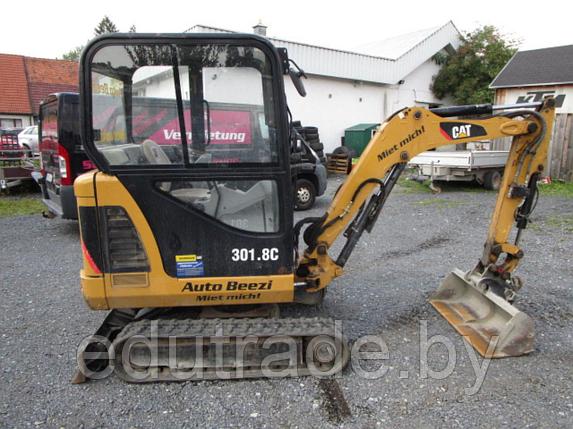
x=168 y=345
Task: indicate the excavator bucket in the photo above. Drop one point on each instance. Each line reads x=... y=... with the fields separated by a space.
x=493 y=326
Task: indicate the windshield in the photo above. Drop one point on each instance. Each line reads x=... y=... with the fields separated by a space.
x=200 y=104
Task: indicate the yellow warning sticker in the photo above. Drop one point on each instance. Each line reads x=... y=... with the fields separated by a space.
x=186 y=258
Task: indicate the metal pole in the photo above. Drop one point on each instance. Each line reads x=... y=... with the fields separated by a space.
x=516 y=106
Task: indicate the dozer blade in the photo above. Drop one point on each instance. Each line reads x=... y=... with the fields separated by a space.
x=493 y=326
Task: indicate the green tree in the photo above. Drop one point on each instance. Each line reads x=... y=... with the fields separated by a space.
x=105 y=26
x=74 y=54
x=466 y=75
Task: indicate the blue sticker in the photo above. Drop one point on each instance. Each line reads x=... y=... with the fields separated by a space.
x=190 y=269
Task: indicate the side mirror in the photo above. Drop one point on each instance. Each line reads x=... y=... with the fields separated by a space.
x=295 y=76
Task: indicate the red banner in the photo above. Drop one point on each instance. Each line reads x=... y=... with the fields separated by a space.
x=227 y=127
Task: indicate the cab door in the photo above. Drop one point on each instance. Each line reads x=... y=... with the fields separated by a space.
x=194 y=128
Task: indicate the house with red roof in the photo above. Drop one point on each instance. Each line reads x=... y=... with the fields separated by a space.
x=26 y=81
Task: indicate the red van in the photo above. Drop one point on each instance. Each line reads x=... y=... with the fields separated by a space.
x=62 y=157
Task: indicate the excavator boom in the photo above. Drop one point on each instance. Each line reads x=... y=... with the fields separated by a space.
x=476 y=303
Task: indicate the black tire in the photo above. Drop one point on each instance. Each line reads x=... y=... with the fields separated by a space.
x=341 y=150
x=320 y=153
x=309 y=135
x=304 y=194
x=310 y=130
x=296 y=124
x=295 y=158
x=27 y=150
x=492 y=180
x=317 y=146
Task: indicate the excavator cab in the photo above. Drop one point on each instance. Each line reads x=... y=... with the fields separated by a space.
x=190 y=136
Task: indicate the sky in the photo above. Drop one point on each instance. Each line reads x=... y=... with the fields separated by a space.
x=50 y=28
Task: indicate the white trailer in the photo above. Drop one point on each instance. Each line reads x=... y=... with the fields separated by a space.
x=15 y=163
x=483 y=166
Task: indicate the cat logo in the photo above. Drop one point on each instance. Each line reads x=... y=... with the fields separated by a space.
x=461 y=130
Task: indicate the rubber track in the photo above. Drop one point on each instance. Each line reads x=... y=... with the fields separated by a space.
x=263 y=327
x=227 y=328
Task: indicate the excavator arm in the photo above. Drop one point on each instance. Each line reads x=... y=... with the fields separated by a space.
x=358 y=202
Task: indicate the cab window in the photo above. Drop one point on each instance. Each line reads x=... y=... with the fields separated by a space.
x=192 y=105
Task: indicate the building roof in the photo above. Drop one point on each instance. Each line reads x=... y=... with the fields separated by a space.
x=13 y=85
x=26 y=81
x=395 y=47
x=365 y=67
x=548 y=66
x=47 y=76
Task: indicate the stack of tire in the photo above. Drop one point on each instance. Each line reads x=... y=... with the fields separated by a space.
x=311 y=136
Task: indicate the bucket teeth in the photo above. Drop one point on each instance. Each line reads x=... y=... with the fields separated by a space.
x=494 y=327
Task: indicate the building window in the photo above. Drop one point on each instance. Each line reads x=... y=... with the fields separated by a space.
x=10 y=123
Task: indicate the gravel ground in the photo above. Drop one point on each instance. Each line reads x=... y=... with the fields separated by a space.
x=420 y=238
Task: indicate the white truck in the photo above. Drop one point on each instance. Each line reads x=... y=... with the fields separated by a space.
x=482 y=166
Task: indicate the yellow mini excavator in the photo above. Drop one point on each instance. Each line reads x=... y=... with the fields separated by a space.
x=187 y=228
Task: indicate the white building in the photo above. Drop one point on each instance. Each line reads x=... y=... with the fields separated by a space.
x=346 y=88
x=531 y=76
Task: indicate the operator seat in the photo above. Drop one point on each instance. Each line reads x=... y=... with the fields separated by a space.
x=156 y=156
x=154 y=153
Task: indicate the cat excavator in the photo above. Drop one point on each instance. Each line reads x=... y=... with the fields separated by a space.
x=187 y=230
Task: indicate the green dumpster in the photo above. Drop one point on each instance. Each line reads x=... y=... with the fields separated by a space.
x=357 y=137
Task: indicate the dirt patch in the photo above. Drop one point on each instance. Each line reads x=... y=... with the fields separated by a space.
x=409 y=316
x=334 y=404
x=437 y=241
